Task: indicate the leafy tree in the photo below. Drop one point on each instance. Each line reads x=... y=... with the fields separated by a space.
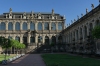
x=5 y=43
x=96 y=32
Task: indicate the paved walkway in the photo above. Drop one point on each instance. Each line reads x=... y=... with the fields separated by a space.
x=28 y=60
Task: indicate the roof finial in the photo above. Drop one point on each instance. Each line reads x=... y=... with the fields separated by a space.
x=86 y=10
x=82 y=15
x=71 y=21
x=77 y=17
x=52 y=11
x=10 y=10
x=92 y=5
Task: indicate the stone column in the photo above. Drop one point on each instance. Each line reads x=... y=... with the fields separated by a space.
x=50 y=40
x=56 y=26
x=42 y=25
x=49 y=25
x=28 y=38
x=36 y=26
x=83 y=32
x=14 y=23
x=6 y=26
x=21 y=38
x=36 y=39
x=63 y=26
x=43 y=39
x=88 y=30
x=28 y=25
x=21 y=25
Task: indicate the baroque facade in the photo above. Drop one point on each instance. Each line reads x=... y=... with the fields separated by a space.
x=78 y=36
x=31 y=28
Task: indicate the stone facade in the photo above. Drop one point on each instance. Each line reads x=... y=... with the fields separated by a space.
x=78 y=35
x=24 y=27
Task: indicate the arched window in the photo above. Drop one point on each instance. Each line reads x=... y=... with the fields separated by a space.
x=39 y=38
x=91 y=28
x=24 y=26
x=39 y=26
x=81 y=33
x=46 y=26
x=17 y=38
x=3 y=26
x=97 y=23
x=53 y=26
x=32 y=26
x=32 y=39
x=24 y=39
x=85 y=32
x=59 y=26
x=54 y=39
x=10 y=26
x=9 y=37
x=17 y=26
x=46 y=40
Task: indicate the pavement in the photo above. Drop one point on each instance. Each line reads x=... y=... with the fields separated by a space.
x=28 y=60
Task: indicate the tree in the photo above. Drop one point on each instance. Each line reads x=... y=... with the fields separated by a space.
x=96 y=32
x=5 y=44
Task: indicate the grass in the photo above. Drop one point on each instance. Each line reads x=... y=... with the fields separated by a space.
x=7 y=57
x=68 y=60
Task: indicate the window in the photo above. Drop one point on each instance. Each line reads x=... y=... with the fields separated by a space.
x=32 y=26
x=2 y=26
x=54 y=39
x=59 y=26
x=46 y=26
x=24 y=39
x=32 y=39
x=39 y=39
x=53 y=26
x=17 y=26
x=24 y=26
x=39 y=26
x=9 y=37
x=10 y=26
x=46 y=40
x=17 y=38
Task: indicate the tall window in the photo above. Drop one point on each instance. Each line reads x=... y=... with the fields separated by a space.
x=53 y=26
x=39 y=26
x=32 y=26
x=17 y=38
x=9 y=37
x=32 y=39
x=46 y=26
x=10 y=26
x=24 y=26
x=85 y=32
x=46 y=40
x=39 y=38
x=97 y=23
x=59 y=26
x=17 y=26
x=2 y=26
x=54 y=39
x=24 y=39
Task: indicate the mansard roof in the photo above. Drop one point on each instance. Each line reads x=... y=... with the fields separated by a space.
x=46 y=15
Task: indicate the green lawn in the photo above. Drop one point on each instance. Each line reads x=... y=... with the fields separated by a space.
x=68 y=60
x=2 y=57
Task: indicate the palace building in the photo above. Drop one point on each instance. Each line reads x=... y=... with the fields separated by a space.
x=31 y=28
x=78 y=35
x=37 y=29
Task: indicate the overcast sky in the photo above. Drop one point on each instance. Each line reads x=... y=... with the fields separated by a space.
x=69 y=8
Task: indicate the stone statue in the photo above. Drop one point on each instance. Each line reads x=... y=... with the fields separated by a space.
x=77 y=16
x=86 y=10
x=92 y=5
x=82 y=15
x=71 y=21
x=10 y=9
